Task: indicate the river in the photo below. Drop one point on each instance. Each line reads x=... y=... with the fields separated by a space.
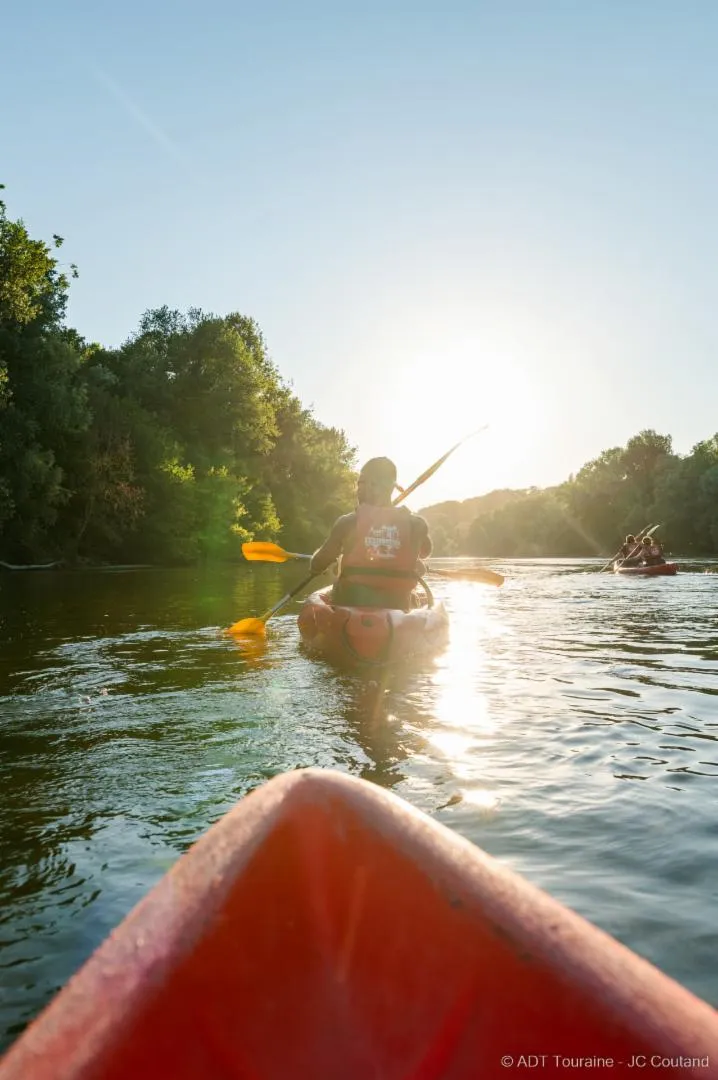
x=570 y=729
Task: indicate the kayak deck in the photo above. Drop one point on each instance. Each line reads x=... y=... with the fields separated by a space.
x=324 y=928
x=659 y=570
x=366 y=636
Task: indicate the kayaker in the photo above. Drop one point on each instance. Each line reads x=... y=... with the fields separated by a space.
x=631 y=551
x=382 y=546
x=628 y=545
x=652 y=552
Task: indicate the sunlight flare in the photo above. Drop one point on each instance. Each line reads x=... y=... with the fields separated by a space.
x=458 y=388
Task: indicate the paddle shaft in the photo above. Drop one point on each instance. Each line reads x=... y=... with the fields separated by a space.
x=289 y=596
x=268 y=552
x=437 y=465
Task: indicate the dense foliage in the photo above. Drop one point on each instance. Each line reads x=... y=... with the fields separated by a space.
x=185 y=441
x=176 y=446
x=621 y=491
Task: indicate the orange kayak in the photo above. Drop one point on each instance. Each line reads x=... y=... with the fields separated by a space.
x=362 y=636
x=325 y=929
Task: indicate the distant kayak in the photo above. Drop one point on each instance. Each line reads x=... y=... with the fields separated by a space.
x=363 y=636
x=325 y=929
x=661 y=569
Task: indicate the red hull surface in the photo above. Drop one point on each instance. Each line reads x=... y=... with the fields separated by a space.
x=370 y=636
x=661 y=570
x=325 y=929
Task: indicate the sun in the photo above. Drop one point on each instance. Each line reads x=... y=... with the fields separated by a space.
x=441 y=402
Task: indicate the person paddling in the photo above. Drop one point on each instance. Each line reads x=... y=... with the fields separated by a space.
x=382 y=546
x=631 y=551
x=628 y=545
x=652 y=552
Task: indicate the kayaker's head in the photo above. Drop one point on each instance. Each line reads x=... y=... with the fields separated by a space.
x=376 y=482
x=647 y=541
x=630 y=539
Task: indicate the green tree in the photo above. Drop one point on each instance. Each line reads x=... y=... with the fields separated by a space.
x=310 y=473
x=43 y=403
x=241 y=456
x=620 y=491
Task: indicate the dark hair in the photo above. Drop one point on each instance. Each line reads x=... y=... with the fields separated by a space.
x=380 y=471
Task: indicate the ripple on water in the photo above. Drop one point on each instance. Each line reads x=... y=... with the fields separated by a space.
x=570 y=729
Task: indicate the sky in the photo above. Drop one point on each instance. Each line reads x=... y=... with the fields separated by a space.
x=440 y=215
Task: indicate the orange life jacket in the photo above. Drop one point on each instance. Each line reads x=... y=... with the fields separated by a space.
x=383 y=555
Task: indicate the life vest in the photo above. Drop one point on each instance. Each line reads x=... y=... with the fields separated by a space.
x=383 y=555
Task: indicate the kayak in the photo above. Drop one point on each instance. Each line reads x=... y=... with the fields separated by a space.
x=647 y=571
x=324 y=928
x=363 y=636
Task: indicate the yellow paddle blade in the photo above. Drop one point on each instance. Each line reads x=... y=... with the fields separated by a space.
x=490 y=577
x=247 y=627
x=263 y=551
x=486 y=577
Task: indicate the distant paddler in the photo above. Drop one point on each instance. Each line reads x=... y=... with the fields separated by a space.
x=631 y=551
x=652 y=551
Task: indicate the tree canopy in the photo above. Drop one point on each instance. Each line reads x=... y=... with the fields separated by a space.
x=177 y=446
x=621 y=491
x=185 y=441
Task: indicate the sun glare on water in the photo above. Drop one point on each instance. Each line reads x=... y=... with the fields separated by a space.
x=464 y=730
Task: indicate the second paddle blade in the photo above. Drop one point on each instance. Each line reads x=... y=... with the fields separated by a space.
x=488 y=577
x=247 y=627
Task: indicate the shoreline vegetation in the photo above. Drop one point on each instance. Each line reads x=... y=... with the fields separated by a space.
x=185 y=442
x=621 y=491
x=172 y=449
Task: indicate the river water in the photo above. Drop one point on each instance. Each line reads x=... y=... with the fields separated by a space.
x=570 y=729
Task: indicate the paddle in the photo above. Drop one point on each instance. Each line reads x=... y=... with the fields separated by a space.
x=614 y=557
x=437 y=465
x=262 y=551
x=256 y=625
x=472 y=573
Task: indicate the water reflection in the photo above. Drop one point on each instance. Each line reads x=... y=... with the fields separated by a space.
x=254 y=651
x=570 y=728
x=464 y=726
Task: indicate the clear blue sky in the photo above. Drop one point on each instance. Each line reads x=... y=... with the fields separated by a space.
x=440 y=215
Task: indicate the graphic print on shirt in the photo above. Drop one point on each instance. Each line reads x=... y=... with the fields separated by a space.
x=382 y=542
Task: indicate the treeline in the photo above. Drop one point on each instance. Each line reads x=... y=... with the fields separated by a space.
x=174 y=447
x=621 y=491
